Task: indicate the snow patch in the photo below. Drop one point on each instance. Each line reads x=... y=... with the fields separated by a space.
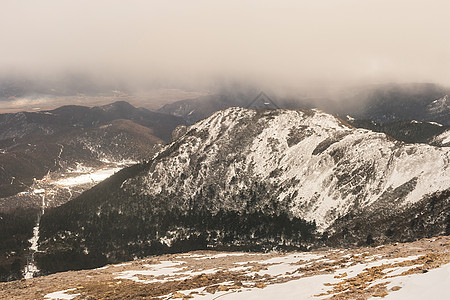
x=61 y=295
x=431 y=285
x=165 y=268
x=38 y=191
x=304 y=288
x=435 y=123
x=93 y=177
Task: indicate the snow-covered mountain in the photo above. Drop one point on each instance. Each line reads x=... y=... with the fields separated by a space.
x=256 y=179
x=324 y=167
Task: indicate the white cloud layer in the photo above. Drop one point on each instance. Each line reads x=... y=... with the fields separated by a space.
x=284 y=43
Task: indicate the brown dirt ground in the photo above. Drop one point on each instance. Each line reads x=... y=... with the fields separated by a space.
x=101 y=283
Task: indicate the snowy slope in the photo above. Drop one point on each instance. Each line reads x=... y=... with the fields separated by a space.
x=319 y=165
x=417 y=270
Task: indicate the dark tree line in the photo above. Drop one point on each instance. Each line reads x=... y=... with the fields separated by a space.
x=16 y=228
x=107 y=225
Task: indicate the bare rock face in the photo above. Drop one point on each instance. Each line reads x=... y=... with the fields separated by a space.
x=259 y=180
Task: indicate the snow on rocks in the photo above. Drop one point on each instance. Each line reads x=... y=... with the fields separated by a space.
x=38 y=191
x=396 y=271
x=61 y=295
x=31 y=268
x=323 y=166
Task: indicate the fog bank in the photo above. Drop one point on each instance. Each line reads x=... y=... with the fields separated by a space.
x=284 y=45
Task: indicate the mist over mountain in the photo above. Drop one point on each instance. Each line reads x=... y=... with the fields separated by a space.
x=289 y=46
x=21 y=86
x=382 y=103
x=412 y=113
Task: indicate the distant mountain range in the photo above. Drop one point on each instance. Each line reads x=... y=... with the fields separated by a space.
x=408 y=131
x=380 y=103
x=72 y=116
x=400 y=102
x=34 y=143
x=412 y=113
x=44 y=156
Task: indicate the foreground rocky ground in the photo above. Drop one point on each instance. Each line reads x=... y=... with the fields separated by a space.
x=397 y=271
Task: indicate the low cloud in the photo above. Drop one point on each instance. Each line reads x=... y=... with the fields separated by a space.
x=284 y=45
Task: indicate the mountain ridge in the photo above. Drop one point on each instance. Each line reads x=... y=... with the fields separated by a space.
x=64 y=117
x=30 y=143
x=281 y=167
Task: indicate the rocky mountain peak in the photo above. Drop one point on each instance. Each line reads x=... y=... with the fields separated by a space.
x=256 y=180
x=313 y=163
x=117 y=106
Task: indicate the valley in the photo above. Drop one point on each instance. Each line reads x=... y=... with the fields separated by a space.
x=50 y=157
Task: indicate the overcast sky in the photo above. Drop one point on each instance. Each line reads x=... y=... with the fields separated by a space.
x=192 y=42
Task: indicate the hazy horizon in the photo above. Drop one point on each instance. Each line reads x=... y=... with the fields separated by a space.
x=198 y=46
